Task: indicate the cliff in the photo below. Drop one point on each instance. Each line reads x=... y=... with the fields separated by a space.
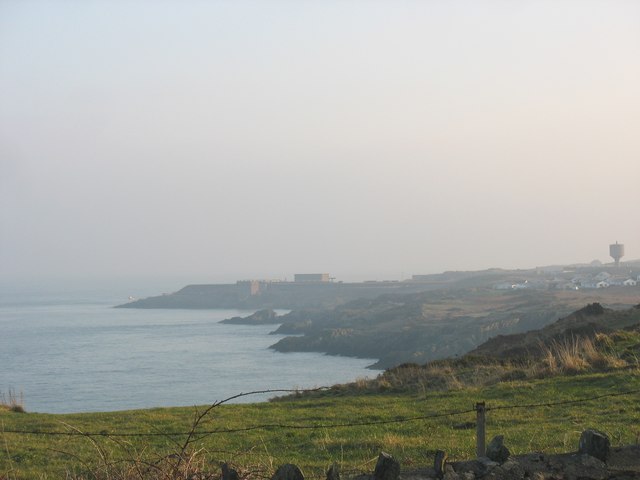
x=276 y=295
x=427 y=326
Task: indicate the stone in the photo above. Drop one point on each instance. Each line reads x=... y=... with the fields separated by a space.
x=439 y=463
x=595 y=443
x=592 y=463
x=288 y=471
x=387 y=468
x=513 y=470
x=584 y=467
x=497 y=451
x=334 y=472
x=487 y=463
x=229 y=473
x=450 y=473
x=474 y=467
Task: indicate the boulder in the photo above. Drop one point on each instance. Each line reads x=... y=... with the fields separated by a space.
x=585 y=467
x=229 y=473
x=333 y=473
x=440 y=462
x=497 y=451
x=595 y=443
x=450 y=473
x=387 y=468
x=288 y=471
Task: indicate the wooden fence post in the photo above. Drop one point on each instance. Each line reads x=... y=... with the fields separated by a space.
x=480 y=430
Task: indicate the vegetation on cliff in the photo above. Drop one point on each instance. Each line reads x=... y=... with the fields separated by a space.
x=590 y=340
x=426 y=326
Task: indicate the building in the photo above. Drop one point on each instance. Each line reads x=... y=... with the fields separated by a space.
x=311 y=277
x=249 y=287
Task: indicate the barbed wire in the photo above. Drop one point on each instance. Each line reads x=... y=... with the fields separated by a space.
x=289 y=426
x=563 y=402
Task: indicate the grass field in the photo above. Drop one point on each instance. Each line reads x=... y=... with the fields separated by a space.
x=259 y=451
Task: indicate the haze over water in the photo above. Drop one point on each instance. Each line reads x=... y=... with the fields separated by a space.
x=74 y=353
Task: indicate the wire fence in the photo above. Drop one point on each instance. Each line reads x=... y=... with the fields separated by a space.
x=291 y=426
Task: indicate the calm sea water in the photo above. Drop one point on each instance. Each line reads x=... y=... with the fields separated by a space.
x=75 y=353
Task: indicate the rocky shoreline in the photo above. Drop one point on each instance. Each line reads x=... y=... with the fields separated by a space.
x=418 y=328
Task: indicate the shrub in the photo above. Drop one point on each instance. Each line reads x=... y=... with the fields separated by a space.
x=577 y=354
x=12 y=401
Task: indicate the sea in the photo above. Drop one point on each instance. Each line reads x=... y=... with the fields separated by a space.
x=67 y=350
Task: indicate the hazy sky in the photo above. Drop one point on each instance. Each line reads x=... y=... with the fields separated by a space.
x=232 y=139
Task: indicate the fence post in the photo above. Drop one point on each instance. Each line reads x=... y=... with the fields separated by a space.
x=480 y=430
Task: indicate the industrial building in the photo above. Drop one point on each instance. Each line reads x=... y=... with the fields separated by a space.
x=311 y=277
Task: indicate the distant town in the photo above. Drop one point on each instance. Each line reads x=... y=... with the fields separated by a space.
x=321 y=290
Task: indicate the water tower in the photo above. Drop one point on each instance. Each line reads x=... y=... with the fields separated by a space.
x=616 y=251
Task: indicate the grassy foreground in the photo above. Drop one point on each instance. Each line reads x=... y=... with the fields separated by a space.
x=258 y=452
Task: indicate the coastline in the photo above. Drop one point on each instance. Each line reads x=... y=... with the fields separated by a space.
x=78 y=356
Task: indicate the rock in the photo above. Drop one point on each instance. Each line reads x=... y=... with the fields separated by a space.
x=387 y=468
x=497 y=451
x=592 y=463
x=510 y=470
x=334 y=472
x=288 y=471
x=473 y=467
x=439 y=463
x=450 y=473
x=261 y=317
x=513 y=470
x=595 y=443
x=625 y=458
x=229 y=473
x=585 y=467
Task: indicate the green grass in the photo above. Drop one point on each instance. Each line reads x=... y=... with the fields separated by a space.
x=570 y=355
x=259 y=452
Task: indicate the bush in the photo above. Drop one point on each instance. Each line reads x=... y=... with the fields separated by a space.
x=12 y=401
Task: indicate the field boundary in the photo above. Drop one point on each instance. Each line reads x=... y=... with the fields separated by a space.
x=284 y=426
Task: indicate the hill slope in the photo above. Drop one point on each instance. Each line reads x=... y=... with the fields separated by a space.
x=426 y=326
x=586 y=323
x=592 y=339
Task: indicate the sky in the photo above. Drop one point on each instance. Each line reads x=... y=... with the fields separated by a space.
x=219 y=140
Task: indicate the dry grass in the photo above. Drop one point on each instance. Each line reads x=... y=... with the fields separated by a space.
x=191 y=466
x=12 y=401
x=581 y=354
x=572 y=355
